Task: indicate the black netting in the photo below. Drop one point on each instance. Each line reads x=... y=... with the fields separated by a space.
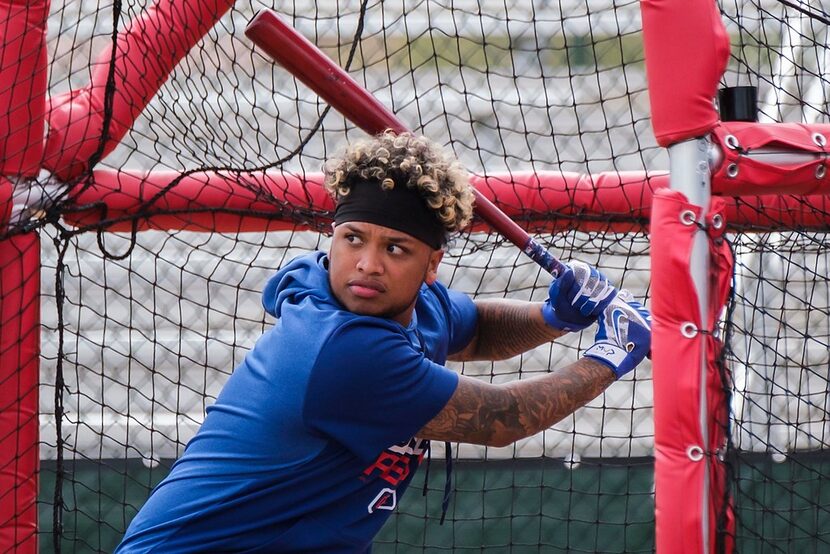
x=778 y=352
x=149 y=324
x=141 y=328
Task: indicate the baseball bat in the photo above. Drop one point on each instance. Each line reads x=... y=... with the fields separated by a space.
x=312 y=67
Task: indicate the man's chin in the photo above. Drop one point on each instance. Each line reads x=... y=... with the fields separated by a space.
x=373 y=308
x=373 y=311
x=361 y=308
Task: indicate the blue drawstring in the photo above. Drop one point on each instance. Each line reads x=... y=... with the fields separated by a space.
x=429 y=459
x=445 y=502
x=448 y=484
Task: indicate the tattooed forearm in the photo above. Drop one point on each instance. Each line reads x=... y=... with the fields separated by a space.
x=497 y=415
x=507 y=328
x=477 y=413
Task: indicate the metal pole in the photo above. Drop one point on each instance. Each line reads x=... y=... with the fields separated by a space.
x=689 y=165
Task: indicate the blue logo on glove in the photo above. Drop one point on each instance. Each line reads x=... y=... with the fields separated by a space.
x=623 y=338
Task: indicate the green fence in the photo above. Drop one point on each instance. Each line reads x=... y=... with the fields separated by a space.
x=517 y=506
x=520 y=506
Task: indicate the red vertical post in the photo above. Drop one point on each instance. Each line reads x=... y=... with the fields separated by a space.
x=22 y=104
x=19 y=357
x=686 y=52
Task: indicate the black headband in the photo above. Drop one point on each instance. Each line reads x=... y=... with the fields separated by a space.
x=399 y=208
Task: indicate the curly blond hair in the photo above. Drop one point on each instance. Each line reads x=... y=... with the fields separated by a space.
x=411 y=160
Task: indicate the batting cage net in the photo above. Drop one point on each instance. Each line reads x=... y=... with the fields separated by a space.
x=161 y=214
x=778 y=456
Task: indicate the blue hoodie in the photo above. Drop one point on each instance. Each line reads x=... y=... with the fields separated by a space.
x=310 y=444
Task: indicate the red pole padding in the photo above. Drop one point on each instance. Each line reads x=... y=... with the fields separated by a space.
x=232 y=202
x=204 y=201
x=539 y=202
x=685 y=42
x=146 y=52
x=686 y=463
x=22 y=85
x=768 y=158
x=19 y=356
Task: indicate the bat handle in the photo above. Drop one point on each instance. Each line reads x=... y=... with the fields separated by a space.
x=515 y=234
x=538 y=254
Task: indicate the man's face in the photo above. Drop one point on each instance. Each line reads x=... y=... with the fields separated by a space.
x=377 y=271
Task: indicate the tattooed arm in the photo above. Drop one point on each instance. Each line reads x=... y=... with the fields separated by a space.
x=506 y=328
x=498 y=415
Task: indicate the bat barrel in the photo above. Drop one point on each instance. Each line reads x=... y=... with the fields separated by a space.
x=306 y=62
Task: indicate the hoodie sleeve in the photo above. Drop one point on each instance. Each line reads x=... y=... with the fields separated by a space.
x=463 y=320
x=370 y=389
x=456 y=323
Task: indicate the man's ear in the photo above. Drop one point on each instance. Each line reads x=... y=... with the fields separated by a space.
x=432 y=270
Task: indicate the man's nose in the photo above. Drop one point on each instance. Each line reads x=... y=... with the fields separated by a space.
x=370 y=262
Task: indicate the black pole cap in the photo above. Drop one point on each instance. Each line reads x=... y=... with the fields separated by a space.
x=738 y=103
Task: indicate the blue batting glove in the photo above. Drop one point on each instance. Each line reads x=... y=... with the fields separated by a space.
x=624 y=335
x=577 y=297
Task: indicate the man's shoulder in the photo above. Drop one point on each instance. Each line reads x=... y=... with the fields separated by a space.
x=438 y=296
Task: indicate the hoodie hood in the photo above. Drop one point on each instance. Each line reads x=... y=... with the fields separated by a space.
x=303 y=277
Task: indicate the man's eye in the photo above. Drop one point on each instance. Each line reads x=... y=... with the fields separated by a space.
x=395 y=249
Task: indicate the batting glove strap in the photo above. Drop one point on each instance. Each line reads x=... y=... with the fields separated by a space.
x=609 y=353
x=623 y=338
x=577 y=297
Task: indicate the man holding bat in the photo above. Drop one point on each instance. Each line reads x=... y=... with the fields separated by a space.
x=319 y=431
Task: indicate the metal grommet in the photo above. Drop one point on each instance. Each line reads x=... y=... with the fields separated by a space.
x=732 y=142
x=629 y=346
x=717 y=221
x=687 y=217
x=821 y=171
x=819 y=139
x=694 y=453
x=732 y=170
x=688 y=330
